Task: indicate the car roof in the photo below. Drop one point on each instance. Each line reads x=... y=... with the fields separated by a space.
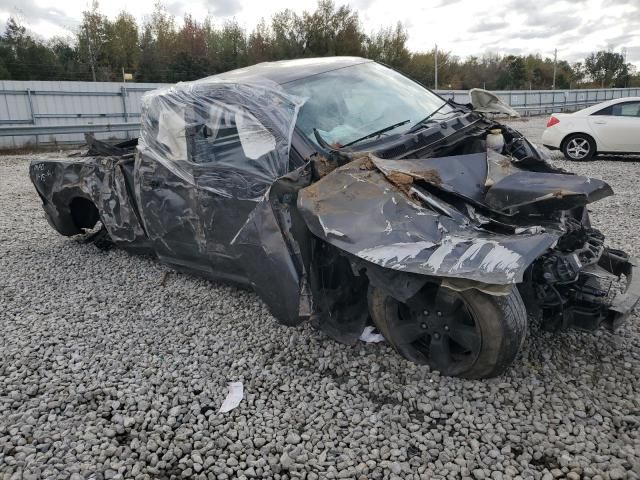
x=601 y=105
x=285 y=71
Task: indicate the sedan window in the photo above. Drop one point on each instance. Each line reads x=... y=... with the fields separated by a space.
x=625 y=109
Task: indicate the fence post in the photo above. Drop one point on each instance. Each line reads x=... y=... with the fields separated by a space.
x=123 y=95
x=539 y=103
x=31 y=113
x=125 y=114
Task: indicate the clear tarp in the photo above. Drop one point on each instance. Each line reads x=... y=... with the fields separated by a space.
x=230 y=138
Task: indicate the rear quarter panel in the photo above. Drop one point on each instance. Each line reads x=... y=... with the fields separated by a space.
x=97 y=179
x=569 y=124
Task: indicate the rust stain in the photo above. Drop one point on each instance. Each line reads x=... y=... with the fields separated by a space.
x=562 y=193
x=505 y=163
x=431 y=176
x=400 y=179
x=323 y=165
x=367 y=164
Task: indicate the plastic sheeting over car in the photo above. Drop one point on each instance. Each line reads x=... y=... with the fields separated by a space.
x=241 y=131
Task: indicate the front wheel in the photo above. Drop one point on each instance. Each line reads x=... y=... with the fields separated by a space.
x=468 y=334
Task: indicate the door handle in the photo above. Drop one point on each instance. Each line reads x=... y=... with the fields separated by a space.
x=600 y=122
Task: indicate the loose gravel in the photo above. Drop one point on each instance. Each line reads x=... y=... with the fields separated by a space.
x=113 y=366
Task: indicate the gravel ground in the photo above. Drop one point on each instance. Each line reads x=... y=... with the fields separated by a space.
x=113 y=366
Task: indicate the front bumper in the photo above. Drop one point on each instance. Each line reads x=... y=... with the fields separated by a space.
x=617 y=262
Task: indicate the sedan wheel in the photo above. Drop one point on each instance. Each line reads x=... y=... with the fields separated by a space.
x=579 y=147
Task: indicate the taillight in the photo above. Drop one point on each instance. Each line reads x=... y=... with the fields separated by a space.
x=552 y=121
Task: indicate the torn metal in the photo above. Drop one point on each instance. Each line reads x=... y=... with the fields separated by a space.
x=226 y=181
x=362 y=212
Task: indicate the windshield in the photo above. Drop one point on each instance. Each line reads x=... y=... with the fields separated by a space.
x=349 y=103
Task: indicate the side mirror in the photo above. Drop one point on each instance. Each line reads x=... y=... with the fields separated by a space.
x=487 y=102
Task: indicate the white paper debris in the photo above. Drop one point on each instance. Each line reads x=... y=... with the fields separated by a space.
x=368 y=336
x=234 y=397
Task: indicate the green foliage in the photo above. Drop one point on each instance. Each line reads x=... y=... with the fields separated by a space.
x=165 y=50
x=607 y=69
x=389 y=46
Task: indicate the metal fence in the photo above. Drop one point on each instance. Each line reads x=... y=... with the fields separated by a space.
x=36 y=113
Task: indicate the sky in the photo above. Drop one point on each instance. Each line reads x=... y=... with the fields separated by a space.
x=462 y=27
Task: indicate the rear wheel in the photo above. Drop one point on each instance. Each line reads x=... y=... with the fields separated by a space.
x=579 y=147
x=469 y=334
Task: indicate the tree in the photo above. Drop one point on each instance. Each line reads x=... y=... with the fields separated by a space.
x=92 y=37
x=232 y=47
x=260 y=44
x=289 y=35
x=607 y=69
x=513 y=73
x=23 y=57
x=121 y=49
x=332 y=32
x=389 y=46
x=157 y=47
x=190 y=60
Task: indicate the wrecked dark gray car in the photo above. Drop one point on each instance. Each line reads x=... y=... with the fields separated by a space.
x=345 y=193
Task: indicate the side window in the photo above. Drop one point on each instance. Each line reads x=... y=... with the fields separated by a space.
x=229 y=136
x=626 y=109
x=211 y=135
x=604 y=111
x=230 y=139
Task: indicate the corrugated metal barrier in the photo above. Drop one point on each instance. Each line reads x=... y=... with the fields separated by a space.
x=36 y=113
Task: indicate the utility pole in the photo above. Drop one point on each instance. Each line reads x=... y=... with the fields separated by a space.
x=436 y=62
x=555 y=61
x=624 y=60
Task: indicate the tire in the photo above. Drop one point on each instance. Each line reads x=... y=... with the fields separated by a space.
x=482 y=336
x=578 y=146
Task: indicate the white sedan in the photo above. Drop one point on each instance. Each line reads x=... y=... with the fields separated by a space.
x=608 y=127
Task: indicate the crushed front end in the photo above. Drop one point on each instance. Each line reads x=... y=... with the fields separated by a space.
x=443 y=207
x=578 y=283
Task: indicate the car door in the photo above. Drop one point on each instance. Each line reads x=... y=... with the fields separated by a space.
x=616 y=128
x=197 y=185
x=229 y=188
x=166 y=192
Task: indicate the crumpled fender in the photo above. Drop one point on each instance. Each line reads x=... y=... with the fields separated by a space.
x=356 y=209
x=98 y=179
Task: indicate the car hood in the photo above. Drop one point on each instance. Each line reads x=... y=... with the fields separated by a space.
x=376 y=210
